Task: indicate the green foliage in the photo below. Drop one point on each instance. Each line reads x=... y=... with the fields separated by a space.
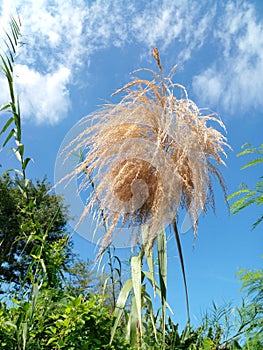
x=111 y=273
x=188 y=339
x=228 y=327
x=58 y=321
x=251 y=313
x=16 y=321
x=29 y=223
x=81 y=278
x=224 y=327
x=252 y=283
x=245 y=195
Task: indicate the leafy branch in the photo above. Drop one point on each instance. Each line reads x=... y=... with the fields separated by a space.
x=246 y=196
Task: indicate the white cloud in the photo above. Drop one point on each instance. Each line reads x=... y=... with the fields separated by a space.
x=161 y=23
x=43 y=97
x=235 y=79
x=4 y=97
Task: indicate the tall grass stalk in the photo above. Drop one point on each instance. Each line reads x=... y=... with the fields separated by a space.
x=13 y=124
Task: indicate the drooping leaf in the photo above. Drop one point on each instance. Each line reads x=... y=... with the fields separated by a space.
x=5 y=107
x=11 y=133
x=7 y=124
x=25 y=162
x=252 y=163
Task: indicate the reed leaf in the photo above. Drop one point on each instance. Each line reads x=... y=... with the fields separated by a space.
x=132 y=326
x=181 y=258
x=121 y=302
x=162 y=267
x=136 y=267
x=149 y=258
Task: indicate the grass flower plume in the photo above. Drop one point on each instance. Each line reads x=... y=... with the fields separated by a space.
x=149 y=155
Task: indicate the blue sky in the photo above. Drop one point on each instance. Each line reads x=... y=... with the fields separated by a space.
x=78 y=53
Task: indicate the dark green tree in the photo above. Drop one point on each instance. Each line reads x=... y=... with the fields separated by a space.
x=29 y=221
x=82 y=278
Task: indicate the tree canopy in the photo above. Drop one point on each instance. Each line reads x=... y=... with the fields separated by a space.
x=25 y=218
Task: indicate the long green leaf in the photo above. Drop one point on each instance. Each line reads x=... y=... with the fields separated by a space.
x=16 y=24
x=131 y=333
x=148 y=301
x=11 y=133
x=253 y=162
x=17 y=154
x=7 y=124
x=162 y=267
x=237 y=193
x=149 y=255
x=5 y=107
x=10 y=63
x=11 y=40
x=162 y=262
x=136 y=268
x=25 y=162
x=157 y=289
x=122 y=299
x=178 y=242
x=24 y=334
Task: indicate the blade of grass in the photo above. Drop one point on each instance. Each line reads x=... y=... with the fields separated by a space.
x=136 y=267
x=131 y=334
x=122 y=299
x=179 y=247
x=149 y=256
x=162 y=267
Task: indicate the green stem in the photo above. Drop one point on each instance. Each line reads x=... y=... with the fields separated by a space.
x=112 y=278
x=179 y=247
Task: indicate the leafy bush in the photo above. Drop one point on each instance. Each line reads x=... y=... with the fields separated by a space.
x=59 y=321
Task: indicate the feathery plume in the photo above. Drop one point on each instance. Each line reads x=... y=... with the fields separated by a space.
x=148 y=155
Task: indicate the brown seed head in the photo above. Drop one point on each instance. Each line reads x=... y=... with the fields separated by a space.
x=149 y=154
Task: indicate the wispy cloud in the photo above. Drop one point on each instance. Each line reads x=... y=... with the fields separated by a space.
x=163 y=23
x=44 y=97
x=54 y=50
x=234 y=80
